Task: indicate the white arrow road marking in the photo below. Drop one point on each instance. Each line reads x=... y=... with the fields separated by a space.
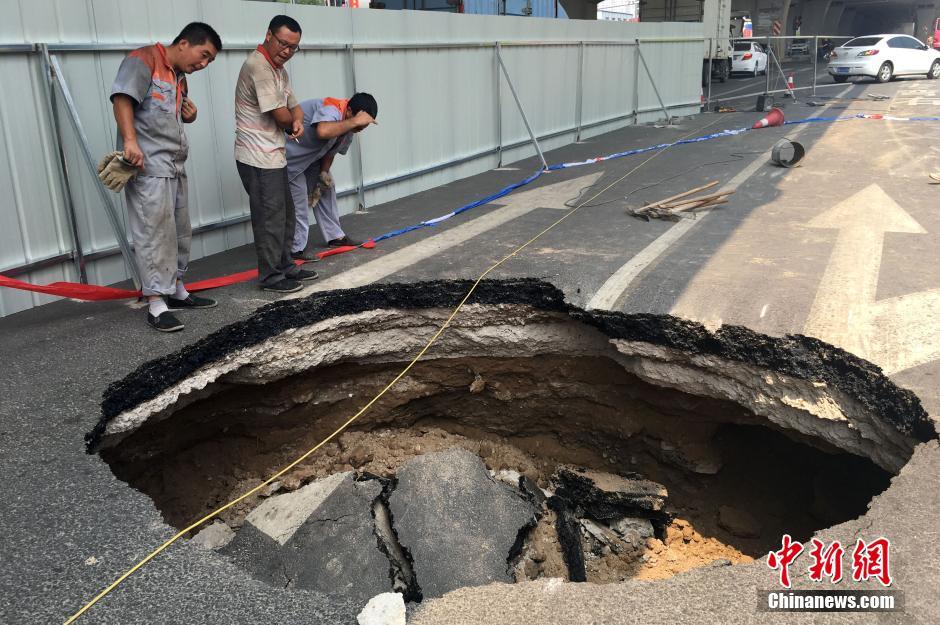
x=516 y=205
x=896 y=333
x=908 y=330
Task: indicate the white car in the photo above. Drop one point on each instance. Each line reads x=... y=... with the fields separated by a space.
x=883 y=57
x=798 y=47
x=748 y=57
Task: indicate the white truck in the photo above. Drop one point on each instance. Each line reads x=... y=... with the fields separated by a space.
x=715 y=16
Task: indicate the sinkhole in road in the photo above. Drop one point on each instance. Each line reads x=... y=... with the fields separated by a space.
x=535 y=439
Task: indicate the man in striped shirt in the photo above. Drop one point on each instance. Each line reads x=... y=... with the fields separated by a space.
x=266 y=115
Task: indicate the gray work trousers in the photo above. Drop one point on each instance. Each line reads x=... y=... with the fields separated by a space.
x=326 y=212
x=158 y=221
x=272 y=221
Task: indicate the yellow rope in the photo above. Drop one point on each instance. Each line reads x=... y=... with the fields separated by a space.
x=365 y=408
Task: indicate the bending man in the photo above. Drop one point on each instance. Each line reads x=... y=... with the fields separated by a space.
x=331 y=124
x=151 y=104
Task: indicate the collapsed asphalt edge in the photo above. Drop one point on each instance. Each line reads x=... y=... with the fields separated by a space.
x=794 y=355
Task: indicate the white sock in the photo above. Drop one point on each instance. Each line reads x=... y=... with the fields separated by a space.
x=157 y=307
x=181 y=292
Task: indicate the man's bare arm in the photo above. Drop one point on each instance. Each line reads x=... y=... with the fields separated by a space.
x=327 y=162
x=123 y=106
x=331 y=130
x=283 y=117
x=291 y=120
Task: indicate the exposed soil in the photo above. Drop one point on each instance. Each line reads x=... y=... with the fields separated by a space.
x=528 y=415
x=769 y=483
x=381 y=452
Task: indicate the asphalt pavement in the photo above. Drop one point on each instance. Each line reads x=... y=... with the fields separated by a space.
x=775 y=258
x=741 y=90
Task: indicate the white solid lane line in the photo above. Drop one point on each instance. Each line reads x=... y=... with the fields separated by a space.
x=606 y=297
x=616 y=285
x=517 y=205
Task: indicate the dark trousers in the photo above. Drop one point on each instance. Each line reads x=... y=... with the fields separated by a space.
x=272 y=220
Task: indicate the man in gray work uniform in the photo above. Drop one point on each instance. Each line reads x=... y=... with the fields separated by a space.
x=330 y=124
x=151 y=104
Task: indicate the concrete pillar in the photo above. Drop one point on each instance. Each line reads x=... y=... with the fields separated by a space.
x=831 y=23
x=846 y=22
x=925 y=16
x=762 y=26
x=814 y=16
x=752 y=6
x=786 y=16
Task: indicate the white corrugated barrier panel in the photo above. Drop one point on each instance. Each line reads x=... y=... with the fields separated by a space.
x=444 y=110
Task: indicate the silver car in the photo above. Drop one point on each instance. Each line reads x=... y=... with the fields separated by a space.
x=883 y=57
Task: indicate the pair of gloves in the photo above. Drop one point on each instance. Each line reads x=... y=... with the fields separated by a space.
x=114 y=171
x=325 y=184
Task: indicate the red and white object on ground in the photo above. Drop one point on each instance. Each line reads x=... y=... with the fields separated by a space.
x=773 y=118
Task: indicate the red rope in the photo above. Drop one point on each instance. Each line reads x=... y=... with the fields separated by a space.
x=96 y=293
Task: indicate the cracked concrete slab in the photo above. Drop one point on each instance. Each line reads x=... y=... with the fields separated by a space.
x=280 y=517
x=336 y=550
x=458 y=524
x=320 y=537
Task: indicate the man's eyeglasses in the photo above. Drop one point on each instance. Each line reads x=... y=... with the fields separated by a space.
x=286 y=46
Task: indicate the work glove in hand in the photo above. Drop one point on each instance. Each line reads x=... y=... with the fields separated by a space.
x=326 y=180
x=114 y=171
x=313 y=197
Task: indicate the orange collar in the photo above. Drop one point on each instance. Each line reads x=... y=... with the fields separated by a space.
x=265 y=54
x=181 y=90
x=339 y=104
x=162 y=51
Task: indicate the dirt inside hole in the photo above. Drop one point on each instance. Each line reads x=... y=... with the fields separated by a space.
x=735 y=486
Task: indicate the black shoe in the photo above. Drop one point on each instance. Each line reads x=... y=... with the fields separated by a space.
x=193 y=301
x=304 y=275
x=307 y=257
x=287 y=285
x=343 y=242
x=165 y=322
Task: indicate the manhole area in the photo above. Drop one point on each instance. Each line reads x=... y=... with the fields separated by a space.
x=474 y=470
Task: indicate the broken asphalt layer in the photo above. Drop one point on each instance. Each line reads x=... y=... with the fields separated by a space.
x=69 y=527
x=798 y=357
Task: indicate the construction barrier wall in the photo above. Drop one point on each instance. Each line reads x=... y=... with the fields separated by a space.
x=445 y=111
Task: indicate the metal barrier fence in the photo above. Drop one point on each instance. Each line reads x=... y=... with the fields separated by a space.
x=444 y=115
x=786 y=54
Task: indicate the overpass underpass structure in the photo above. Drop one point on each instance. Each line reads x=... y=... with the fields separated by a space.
x=840 y=17
x=580 y=9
